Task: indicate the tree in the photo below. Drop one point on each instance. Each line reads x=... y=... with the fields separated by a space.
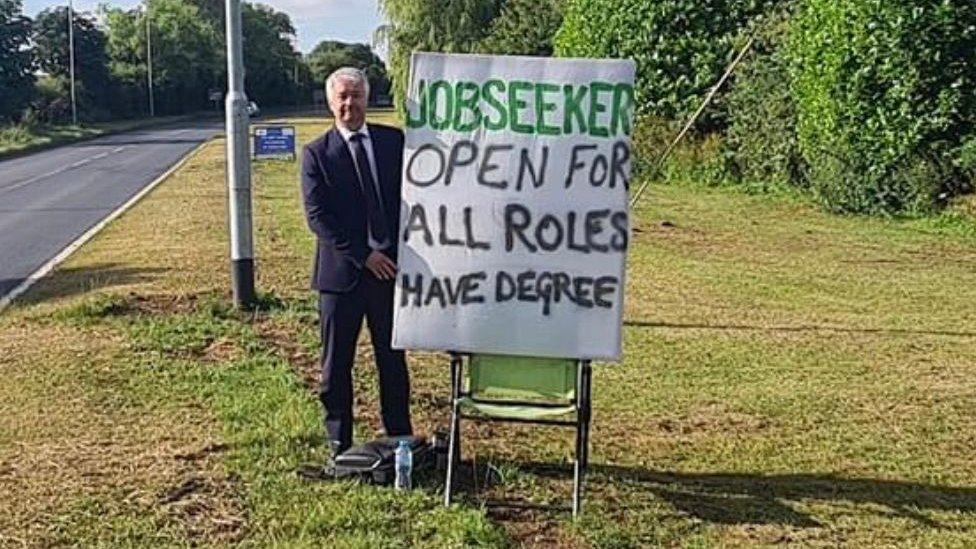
x=51 y=54
x=16 y=76
x=186 y=53
x=189 y=53
x=330 y=55
x=524 y=27
x=213 y=11
x=270 y=61
x=126 y=48
x=455 y=26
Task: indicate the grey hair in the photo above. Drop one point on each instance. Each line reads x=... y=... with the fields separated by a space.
x=350 y=73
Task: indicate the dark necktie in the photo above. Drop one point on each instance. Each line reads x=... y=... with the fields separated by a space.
x=374 y=208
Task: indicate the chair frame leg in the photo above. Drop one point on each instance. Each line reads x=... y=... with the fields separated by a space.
x=578 y=472
x=582 y=434
x=454 y=442
x=588 y=412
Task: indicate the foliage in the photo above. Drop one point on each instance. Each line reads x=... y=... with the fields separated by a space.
x=524 y=27
x=330 y=55
x=126 y=45
x=51 y=54
x=269 y=55
x=884 y=92
x=681 y=47
x=30 y=135
x=696 y=158
x=14 y=135
x=185 y=53
x=127 y=58
x=452 y=26
x=967 y=157
x=761 y=138
x=52 y=99
x=16 y=76
x=189 y=54
x=214 y=12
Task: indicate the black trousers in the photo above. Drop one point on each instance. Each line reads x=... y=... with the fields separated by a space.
x=341 y=318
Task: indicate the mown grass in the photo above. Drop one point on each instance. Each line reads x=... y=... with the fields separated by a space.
x=187 y=424
x=789 y=377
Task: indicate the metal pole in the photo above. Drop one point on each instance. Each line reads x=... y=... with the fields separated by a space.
x=71 y=58
x=152 y=101
x=298 y=92
x=238 y=165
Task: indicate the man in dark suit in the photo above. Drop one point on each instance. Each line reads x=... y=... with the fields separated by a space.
x=351 y=190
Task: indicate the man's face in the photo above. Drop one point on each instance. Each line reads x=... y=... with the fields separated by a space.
x=348 y=102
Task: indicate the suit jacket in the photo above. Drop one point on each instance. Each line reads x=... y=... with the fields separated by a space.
x=336 y=209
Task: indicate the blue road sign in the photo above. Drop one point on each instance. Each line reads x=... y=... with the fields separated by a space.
x=274 y=141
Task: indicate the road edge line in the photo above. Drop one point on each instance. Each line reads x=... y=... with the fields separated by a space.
x=71 y=248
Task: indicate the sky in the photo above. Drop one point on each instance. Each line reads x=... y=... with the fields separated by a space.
x=314 y=20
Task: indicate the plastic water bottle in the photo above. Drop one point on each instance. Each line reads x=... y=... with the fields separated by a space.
x=404 y=465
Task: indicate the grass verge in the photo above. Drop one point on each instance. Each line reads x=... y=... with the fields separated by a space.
x=789 y=377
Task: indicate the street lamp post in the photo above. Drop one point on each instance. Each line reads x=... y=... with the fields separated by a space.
x=238 y=165
x=149 y=76
x=293 y=40
x=71 y=60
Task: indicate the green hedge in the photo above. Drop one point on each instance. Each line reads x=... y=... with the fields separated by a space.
x=524 y=27
x=681 y=46
x=885 y=100
x=761 y=141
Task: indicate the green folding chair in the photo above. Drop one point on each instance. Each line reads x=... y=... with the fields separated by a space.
x=546 y=391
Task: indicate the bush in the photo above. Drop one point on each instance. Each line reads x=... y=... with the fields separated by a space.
x=681 y=46
x=52 y=100
x=884 y=95
x=524 y=27
x=15 y=134
x=698 y=159
x=761 y=142
x=967 y=157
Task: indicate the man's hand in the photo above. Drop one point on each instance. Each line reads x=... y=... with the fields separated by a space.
x=381 y=266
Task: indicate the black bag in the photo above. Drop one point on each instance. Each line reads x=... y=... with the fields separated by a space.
x=375 y=461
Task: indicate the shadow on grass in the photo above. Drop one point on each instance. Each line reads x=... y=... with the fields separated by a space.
x=839 y=329
x=740 y=498
x=79 y=280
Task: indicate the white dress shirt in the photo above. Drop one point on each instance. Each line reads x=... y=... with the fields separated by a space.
x=367 y=141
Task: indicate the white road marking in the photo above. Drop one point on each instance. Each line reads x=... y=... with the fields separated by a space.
x=35 y=178
x=62 y=169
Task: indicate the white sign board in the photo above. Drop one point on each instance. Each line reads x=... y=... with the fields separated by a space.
x=514 y=222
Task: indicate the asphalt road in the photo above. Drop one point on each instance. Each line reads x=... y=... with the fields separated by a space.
x=50 y=198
